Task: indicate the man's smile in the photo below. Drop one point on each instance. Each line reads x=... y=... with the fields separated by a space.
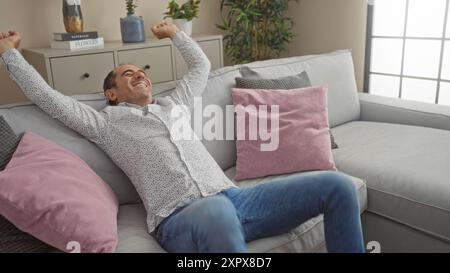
x=144 y=83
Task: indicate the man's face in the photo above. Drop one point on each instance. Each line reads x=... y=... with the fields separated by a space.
x=132 y=86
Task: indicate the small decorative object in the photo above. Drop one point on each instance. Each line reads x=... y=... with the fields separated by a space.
x=73 y=18
x=132 y=26
x=183 y=15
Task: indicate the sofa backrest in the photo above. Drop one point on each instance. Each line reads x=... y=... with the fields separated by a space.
x=335 y=70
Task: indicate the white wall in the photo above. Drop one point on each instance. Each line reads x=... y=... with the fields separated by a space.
x=327 y=25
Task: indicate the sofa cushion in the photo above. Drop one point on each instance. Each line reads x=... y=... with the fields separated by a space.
x=27 y=117
x=252 y=80
x=308 y=237
x=299 y=137
x=360 y=184
x=134 y=237
x=406 y=169
x=133 y=232
x=8 y=143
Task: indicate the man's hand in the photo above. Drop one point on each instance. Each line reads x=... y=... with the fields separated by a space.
x=165 y=30
x=9 y=40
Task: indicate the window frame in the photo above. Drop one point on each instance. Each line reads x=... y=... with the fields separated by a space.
x=404 y=37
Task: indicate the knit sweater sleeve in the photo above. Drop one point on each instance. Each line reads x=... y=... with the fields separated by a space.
x=74 y=114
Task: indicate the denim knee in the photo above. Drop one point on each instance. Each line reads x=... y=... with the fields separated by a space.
x=340 y=186
x=218 y=228
x=216 y=215
x=207 y=225
x=345 y=185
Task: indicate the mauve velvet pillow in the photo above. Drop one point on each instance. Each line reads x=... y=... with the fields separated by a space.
x=253 y=80
x=52 y=194
x=302 y=132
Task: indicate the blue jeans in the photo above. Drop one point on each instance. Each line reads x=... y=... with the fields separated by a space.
x=226 y=221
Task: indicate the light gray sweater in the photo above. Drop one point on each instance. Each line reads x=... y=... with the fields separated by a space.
x=167 y=172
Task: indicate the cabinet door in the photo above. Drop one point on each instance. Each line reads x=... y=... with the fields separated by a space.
x=156 y=61
x=212 y=50
x=81 y=74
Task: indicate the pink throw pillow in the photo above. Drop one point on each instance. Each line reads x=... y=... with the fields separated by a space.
x=302 y=132
x=55 y=196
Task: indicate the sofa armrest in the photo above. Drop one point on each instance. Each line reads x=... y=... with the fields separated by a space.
x=392 y=110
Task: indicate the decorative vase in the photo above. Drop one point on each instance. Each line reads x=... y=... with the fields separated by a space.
x=184 y=25
x=132 y=29
x=73 y=18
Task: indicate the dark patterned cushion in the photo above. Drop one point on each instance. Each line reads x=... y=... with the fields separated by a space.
x=8 y=143
x=333 y=143
x=12 y=240
x=253 y=80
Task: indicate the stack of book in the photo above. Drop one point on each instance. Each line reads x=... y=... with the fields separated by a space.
x=77 y=41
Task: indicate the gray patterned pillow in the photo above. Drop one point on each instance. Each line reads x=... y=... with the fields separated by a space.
x=12 y=240
x=8 y=143
x=253 y=80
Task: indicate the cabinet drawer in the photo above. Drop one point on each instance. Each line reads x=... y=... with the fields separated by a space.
x=156 y=61
x=81 y=74
x=211 y=49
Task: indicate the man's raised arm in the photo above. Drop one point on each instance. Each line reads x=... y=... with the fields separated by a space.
x=194 y=82
x=76 y=115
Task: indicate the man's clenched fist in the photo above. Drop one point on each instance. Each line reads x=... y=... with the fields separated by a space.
x=165 y=30
x=9 y=40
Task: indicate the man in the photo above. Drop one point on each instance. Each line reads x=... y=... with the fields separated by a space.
x=191 y=205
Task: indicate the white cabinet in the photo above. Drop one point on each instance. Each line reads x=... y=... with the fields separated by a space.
x=83 y=72
x=156 y=61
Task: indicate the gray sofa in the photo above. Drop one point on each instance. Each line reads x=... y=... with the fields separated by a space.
x=396 y=152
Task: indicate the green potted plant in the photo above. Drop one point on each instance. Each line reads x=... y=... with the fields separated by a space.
x=132 y=26
x=183 y=15
x=255 y=29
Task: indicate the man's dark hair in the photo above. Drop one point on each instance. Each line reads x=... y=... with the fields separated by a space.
x=110 y=82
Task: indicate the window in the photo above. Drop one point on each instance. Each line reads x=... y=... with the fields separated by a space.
x=408 y=50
